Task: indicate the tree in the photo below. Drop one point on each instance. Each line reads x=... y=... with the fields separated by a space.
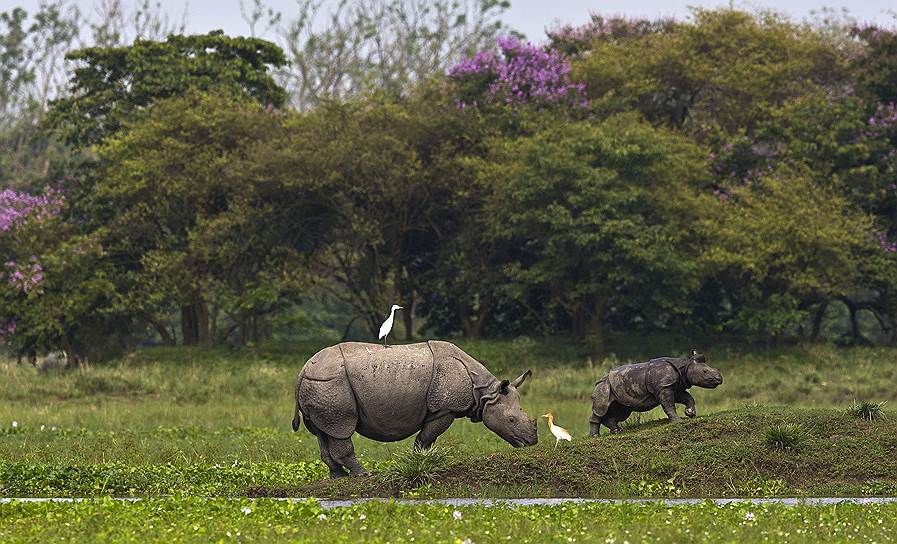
x=191 y=207
x=713 y=75
x=113 y=84
x=392 y=187
x=384 y=45
x=779 y=243
x=600 y=215
x=55 y=287
x=31 y=72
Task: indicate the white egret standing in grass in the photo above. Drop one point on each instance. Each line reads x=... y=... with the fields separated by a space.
x=559 y=432
x=386 y=327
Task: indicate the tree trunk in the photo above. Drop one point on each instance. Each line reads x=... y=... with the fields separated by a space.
x=855 y=336
x=408 y=317
x=817 y=321
x=163 y=332
x=195 y=323
x=595 y=335
x=189 y=324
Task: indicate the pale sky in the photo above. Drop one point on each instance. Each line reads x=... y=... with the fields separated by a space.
x=528 y=16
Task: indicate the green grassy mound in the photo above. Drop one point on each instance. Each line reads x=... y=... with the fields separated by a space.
x=726 y=454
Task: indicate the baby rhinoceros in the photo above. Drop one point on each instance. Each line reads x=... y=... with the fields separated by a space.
x=642 y=386
x=390 y=393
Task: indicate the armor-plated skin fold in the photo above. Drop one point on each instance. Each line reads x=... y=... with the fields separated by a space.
x=389 y=394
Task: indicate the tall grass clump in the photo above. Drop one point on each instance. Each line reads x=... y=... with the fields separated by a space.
x=787 y=436
x=870 y=411
x=416 y=467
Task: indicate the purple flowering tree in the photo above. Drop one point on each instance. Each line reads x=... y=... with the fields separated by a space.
x=574 y=40
x=517 y=74
x=22 y=217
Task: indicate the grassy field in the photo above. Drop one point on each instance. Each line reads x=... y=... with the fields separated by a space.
x=194 y=520
x=210 y=422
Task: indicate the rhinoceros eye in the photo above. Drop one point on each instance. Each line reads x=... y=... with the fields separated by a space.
x=512 y=419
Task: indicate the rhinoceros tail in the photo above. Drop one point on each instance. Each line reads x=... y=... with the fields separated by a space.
x=297 y=417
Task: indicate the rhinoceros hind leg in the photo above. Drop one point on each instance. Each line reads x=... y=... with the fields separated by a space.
x=336 y=470
x=343 y=452
x=431 y=431
x=616 y=413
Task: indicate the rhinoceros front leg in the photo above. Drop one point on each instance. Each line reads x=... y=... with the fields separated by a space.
x=343 y=452
x=431 y=431
x=667 y=399
x=689 y=401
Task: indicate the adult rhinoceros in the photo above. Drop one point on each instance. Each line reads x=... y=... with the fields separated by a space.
x=388 y=394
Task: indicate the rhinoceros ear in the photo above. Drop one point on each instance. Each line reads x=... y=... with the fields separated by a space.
x=521 y=378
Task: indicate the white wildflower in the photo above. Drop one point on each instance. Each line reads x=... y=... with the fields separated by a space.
x=322 y=517
x=246 y=510
x=42 y=427
x=53 y=428
x=15 y=424
x=749 y=516
x=362 y=517
x=456 y=514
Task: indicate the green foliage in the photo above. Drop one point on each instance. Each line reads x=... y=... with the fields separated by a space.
x=186 y=519
x=787 y=436
x=781 y=242
x=761 y=487
x=867 y=410
x=666 y=488
x=113 y=84
x=213 y=216
x=718 y=72
x=195 y=204
x=416 y=467
x=36 y=480
x=601 y=216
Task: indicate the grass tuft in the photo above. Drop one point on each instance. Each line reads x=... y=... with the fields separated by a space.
x=870 y=411
x=787 y=436
x=414 y=468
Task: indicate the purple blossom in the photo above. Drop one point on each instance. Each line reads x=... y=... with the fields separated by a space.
x=24 y=278
x=884 y=120
x=886 y=245
x=518 y=73
x=576 y=39
x=16 y=207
